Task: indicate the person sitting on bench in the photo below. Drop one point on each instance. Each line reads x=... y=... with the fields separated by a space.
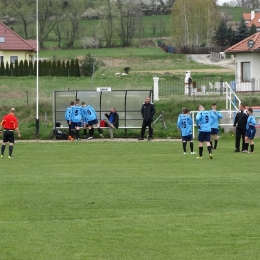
x=112 y=120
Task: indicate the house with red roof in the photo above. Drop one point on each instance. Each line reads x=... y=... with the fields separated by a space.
x=253 y=18
x=13 y=47
x=247 y=57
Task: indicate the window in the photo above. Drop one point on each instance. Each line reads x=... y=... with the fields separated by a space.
x=13 y=59
x=31 y=58
x=2 y=39
x=245 y=71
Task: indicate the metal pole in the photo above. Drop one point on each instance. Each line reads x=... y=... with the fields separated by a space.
x=37 y=123
x=93 y=71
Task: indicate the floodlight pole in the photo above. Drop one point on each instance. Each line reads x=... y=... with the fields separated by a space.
x=37 y=123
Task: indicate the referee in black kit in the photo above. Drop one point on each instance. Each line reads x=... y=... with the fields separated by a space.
x=240 y=125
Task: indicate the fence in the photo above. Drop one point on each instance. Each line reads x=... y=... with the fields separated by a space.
x=204 y=86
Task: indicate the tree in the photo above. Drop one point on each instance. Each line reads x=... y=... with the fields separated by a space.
x=107 y=21
x=26 y=71
x=128 y=11
x=22 y=10
x=230 y=36
x=242 y=31
x=77 y=68
x=2 y=69
x=72 y=11
x=31 y=68
x=16 y=68
x=88 y=64
x=63 y=69
x=194 y=22
x=58 y=68
x=252 y=29
x=21 y=68
x=221 y=35
x=7 y=69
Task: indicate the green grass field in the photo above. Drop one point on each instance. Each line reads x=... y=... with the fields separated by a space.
x=128 y=200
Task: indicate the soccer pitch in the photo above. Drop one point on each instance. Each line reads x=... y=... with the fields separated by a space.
x=128 y=200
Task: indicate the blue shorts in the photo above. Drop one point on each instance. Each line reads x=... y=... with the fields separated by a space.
x=204 y=137
x=92 y=122
x=214 y=131
x=75 y=124
x=250 y=133
x=187 y=138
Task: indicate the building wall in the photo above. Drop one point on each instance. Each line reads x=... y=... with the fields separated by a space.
x=254 y=59
x=22 y=55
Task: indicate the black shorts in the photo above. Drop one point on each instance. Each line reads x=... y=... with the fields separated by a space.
x=8 y=136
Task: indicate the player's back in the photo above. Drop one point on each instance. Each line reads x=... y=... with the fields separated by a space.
x=185 y=124
x=68 y=113
x=76 y=114
x=251 y=122
x=203 y=120
x=90 y=113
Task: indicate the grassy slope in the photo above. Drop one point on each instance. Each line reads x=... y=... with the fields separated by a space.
x=152 y=203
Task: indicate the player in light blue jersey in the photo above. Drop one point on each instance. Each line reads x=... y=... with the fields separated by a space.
x=68 y=117
x=250 y=131
x=184 y=124
x=215 y=116
x=203 y=121
x=76 y=119
x=90 y=116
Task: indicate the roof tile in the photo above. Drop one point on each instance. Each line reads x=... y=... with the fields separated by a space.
x=242 y=46
x=13 y=41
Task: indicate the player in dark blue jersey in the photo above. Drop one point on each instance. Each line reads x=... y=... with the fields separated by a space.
x=76 y=119
x=250 y=131
x=203 y=121
x=184 y=124
x=68 y=117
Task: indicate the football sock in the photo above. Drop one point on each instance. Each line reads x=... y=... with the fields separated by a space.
x=246 y=146
x=216 y=144
x=91 y=132
x=10 y=150
x=184 y=144
x=211 y=144
x=252 y=146
x=191 y=147
x=200 y=151
x=209 y=149
x=70 y=130
x=3 y=149
x=99 y=130
x=77 y=134
x=72 y=134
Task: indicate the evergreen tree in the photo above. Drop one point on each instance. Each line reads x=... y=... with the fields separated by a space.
x=67 y=68
x=72 y=68
x=2 y=69
x=40 y=68
x=7 y=69
x=252 y=30
x=59 y=68
x=26 y=68
x=30 y=68
x=12 y=72
x=230 y=36
x=21 y=69
x=44 y=68
x=87 y=65
x=53 y=68
x=16 y=68
x=35 y=68
x=221 y=36
x=242 y=31
x=77 y=68
x=48 y=67
x=63 y=69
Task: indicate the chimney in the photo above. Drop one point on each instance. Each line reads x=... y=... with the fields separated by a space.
x=252 y=15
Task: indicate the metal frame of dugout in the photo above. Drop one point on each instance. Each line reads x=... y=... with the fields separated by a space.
x=127 y=102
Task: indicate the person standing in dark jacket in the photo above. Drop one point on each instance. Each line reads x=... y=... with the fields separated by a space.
x=147 y=111
x=240 y=125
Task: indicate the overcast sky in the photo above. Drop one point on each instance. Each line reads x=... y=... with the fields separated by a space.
x=222 y=1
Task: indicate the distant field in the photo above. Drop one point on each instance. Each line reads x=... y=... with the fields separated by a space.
x=112 y=200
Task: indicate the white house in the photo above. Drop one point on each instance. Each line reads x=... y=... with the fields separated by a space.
x=247 y=58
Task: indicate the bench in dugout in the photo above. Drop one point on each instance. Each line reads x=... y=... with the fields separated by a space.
x=127 y=102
